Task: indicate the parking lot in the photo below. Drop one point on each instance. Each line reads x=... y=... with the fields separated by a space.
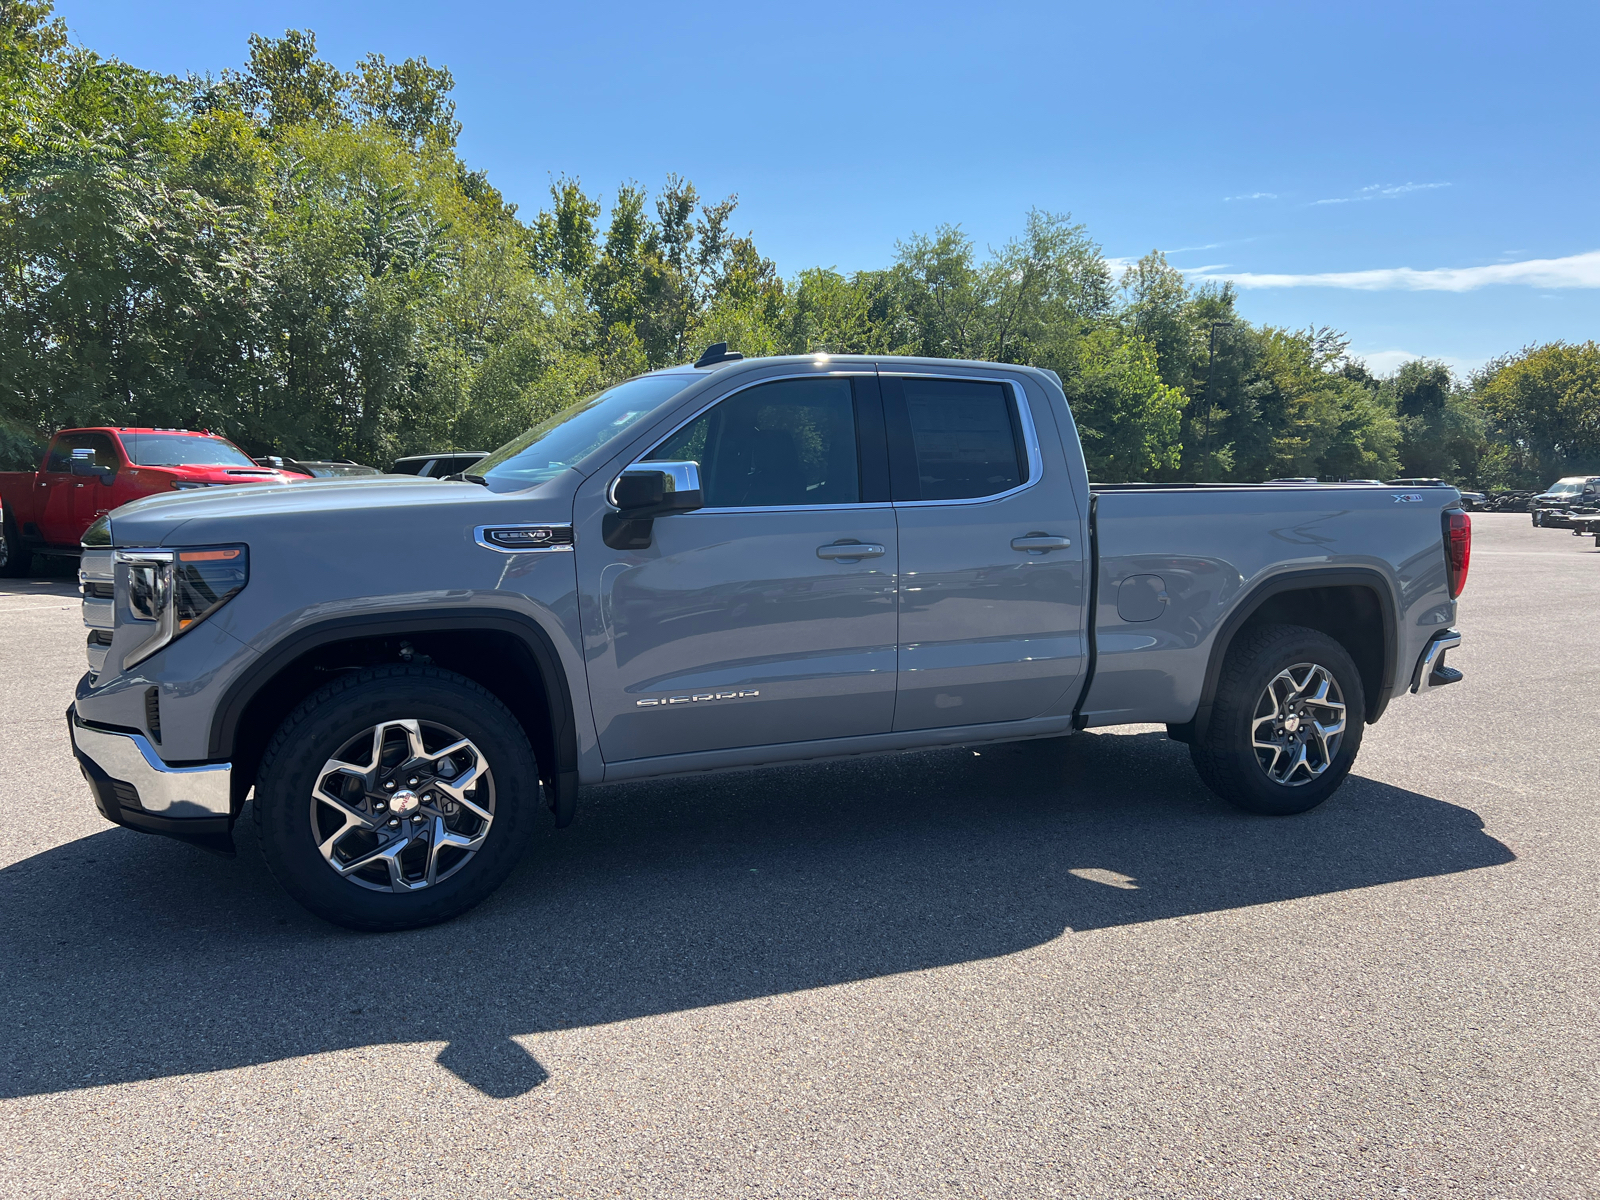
x=1049 y=968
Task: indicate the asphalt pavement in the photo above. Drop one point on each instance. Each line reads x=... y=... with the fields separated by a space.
x=1054 y=968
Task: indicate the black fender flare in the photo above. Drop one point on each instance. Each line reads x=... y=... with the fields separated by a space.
x=563 y=773
x=1297 y=581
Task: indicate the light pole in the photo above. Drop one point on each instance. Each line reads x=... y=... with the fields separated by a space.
x=1211 y=364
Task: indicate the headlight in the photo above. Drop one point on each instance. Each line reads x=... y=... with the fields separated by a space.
x=98 y=535
x=174 y=590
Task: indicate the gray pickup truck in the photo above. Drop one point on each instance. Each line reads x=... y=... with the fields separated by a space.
x=734 y=563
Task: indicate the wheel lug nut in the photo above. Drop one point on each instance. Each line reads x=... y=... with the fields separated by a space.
x=389 y=787
x=394 y=822
x=412 y=782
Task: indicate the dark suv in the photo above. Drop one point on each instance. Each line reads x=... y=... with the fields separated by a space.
x=1575 y=494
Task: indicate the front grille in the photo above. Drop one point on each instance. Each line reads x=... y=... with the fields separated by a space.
x=97 y=583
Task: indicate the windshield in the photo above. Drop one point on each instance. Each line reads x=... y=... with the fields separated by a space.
x=1563 y=487
x=572 y=435
x=181 y=450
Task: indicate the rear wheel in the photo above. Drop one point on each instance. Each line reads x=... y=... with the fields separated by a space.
x=396 y=797
x=1286 y=721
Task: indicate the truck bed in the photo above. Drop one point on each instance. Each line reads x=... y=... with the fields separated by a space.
x=1158 y=610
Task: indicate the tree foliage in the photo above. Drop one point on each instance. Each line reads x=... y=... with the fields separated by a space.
x=295 y=254
x=1542 y=408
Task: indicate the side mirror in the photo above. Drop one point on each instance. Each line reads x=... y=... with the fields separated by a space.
x=647 y=490
x=644 y=492
x=83 y=464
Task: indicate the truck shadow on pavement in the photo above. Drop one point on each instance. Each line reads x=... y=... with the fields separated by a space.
x=130 y=957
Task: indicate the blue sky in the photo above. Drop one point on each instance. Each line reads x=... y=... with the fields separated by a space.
x=1422 y=176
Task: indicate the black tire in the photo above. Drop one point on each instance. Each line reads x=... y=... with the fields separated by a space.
x=323 y=726
x=1226 y=757
x=1536 y=521
x=16 y=558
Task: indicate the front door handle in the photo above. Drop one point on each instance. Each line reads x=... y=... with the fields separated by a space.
x=1041 y=542
x=851 y=551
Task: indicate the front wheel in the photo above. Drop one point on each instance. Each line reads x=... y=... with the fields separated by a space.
x=16 y=559
x=396 y=797
x=1285 y=723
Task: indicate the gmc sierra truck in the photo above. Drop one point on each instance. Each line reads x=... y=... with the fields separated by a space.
x=734 y=563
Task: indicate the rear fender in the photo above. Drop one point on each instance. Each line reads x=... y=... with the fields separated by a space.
x=1251 y=605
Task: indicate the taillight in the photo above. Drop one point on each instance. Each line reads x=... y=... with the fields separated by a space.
x=1457 y=548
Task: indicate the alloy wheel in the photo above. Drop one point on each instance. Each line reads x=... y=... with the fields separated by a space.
x=1298 y=724
x=403 y=805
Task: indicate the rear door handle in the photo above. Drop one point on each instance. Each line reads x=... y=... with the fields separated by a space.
x=851 y=551
x=1040 y=542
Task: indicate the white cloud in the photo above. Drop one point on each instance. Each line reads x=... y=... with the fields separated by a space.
x=1381 y=191
x=1252 y=196
x=1386 y=362
x=1573 y=271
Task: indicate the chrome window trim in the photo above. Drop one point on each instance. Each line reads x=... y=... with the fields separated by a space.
x=480 y=535
x=864 y=506
x=1030 y=439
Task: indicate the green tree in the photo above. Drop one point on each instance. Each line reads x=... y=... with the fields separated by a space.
x=288 y=84
x=411 y=99
x=1127 y=418
x=1543 y=412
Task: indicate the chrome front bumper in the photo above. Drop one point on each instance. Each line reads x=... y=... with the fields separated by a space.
x=1431 y=672
x=134 y=788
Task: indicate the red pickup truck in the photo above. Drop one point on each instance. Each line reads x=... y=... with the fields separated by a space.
x=88 y=472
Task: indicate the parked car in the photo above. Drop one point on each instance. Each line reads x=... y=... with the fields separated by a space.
x=1575 y=493
x=734 y=563
x=436 y=466
x=315 y=469
x=86 y=473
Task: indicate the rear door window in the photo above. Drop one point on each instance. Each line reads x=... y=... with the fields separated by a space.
x=954 y=439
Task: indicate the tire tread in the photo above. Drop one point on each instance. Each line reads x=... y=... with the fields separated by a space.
x=430 y=909
x=1216 y=758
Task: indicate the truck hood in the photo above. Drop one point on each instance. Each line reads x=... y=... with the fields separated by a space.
x=220 y=474
x=339 y=506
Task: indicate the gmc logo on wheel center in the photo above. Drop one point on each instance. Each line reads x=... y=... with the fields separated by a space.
x=695 y=699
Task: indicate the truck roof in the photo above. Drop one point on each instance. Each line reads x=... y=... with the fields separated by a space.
x=135 y=429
